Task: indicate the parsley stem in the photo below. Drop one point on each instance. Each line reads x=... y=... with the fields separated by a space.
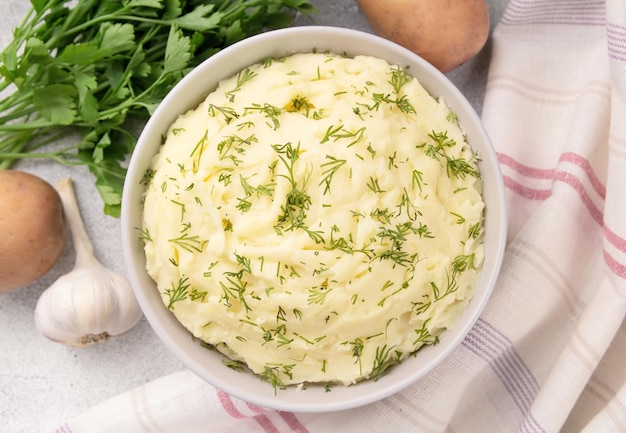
x=33 y=124
x=54 y=156
x=29 y=140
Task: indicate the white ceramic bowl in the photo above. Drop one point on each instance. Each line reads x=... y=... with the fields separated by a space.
x=187 y=94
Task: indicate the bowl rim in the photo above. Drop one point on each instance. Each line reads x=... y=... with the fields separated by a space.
x=238 y=56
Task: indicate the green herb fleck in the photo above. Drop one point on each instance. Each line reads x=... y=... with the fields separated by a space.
x=330 y=168
x=177 y=292
x=243 y=77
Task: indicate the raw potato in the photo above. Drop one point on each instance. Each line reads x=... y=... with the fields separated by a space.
x=446 y=33
x=32 y=228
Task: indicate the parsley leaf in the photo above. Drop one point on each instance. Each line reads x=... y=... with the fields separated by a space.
x=56 y=102
x=177 y=51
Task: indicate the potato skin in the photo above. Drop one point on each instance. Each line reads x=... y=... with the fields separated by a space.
x=33 y=232
x=446 y=33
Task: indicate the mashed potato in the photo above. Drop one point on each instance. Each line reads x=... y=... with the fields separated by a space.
x=317 y=218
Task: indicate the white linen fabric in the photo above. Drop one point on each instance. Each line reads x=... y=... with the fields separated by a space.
x=547 y=355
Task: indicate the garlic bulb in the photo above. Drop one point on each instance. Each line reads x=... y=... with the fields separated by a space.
x=91 y=303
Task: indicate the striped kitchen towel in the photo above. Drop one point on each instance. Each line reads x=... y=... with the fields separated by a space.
x=547 y=355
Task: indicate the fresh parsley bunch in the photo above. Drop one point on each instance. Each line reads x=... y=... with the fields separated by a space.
x=88 y=67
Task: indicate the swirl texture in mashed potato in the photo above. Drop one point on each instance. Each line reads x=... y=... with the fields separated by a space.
x=317 y=218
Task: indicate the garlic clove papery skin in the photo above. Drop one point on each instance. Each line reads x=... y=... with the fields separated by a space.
x=86 y=306
x=91 y=303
